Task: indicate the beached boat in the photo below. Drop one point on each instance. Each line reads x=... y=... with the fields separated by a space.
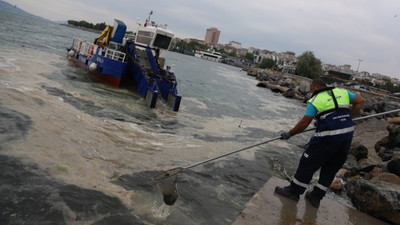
x=209 y=55
x=115 y=59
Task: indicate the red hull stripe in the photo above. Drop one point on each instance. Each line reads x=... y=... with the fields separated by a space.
x=104 y=78
x=107 y=79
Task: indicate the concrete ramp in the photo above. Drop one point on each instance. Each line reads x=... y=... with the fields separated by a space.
x=268 y=208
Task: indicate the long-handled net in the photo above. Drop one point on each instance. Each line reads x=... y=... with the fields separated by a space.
x=166 y=180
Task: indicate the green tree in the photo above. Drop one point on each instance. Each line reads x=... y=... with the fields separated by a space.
x=249 y=56
x=181 y=44
x=232 y=53
x=308 y=65
x=222 y=51
x=267 y=63
x=100 y=26
x=389 y=86
x=82 y=23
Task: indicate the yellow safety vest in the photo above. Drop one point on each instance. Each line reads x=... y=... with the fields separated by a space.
x=324 y=101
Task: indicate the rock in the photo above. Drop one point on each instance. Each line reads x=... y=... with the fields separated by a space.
x=272 y=87
x=387 y=177
x=380 y=150
x=387 y=105
x=383 y=143
x=287 y=83
x=337 y=184
x=376 y=171
x=262 y=76
x=366 y=165
x=379 y=104
x=277 y=88
x=289 y=94
x=359 y=151
x=396 y=155
x=369 y=105
x=386 y=156
x=351 y=163
x=394 y=166
x=395 y=120
x=368 y=133
x=304 y=87
x=393 y=129
x=376 y=198
x=387 y=153
x=395 y=140
x=252 y=72
x=262 y=84
x=342 y=173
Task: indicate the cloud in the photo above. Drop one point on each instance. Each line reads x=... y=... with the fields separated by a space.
x=337 y=31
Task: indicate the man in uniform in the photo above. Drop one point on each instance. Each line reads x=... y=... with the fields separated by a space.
x=328 y=148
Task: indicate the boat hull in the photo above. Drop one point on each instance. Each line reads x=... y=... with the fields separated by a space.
x=107 y=72
x=138 y=66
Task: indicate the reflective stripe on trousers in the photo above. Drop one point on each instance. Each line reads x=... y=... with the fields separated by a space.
x=334 y=132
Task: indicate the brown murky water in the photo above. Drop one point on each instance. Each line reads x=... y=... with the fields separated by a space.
x=73 y=151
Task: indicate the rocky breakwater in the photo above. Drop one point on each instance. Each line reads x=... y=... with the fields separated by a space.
x=289 y=85
x=370 y=178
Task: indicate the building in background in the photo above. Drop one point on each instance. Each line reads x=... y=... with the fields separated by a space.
x=212 y=36
x=235 y=44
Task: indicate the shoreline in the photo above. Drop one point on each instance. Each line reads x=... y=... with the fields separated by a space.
x=82 y=28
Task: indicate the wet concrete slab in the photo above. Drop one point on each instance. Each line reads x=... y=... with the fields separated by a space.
x=268 y=208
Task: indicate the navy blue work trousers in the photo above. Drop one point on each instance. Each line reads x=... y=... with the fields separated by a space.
x=327 y=156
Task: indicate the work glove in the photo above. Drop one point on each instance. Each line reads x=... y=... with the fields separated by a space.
x=285 y=135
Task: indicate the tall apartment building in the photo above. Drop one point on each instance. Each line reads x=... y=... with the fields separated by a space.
x=212 y=36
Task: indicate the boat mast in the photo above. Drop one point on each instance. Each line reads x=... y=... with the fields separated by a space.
x=148 y=18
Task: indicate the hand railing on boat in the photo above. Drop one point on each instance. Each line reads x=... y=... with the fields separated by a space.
x=89 y=49
x=85 y=48
x=113 y=54
x=77 y=44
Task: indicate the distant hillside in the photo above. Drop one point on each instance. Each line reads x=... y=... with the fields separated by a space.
x=10 y=8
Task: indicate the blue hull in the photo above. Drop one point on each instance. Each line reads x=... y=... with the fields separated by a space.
x=153 y=82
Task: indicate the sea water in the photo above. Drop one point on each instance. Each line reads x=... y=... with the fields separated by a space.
x=76 y=151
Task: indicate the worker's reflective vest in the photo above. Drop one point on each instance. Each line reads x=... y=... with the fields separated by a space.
x=334 y=121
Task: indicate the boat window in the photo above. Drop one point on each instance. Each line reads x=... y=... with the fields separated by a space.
x=162 y=41
x=145 y=33
x=144 y=37
x=143 y=40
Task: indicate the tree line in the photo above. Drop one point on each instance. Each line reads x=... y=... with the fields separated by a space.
x=85 y=24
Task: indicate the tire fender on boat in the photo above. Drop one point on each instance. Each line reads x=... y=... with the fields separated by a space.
x=92 y=67
x=71 y=53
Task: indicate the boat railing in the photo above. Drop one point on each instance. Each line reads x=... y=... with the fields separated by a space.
x=113 y=54
x=89 y=49
x=77 y=44
x=85 y=48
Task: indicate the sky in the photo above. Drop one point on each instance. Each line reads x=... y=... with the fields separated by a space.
x=362 y=33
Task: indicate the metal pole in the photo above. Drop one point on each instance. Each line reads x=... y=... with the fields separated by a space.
x=359 y=61
x=277 y=138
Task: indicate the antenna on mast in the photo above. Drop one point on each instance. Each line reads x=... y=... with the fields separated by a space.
x=148 y=18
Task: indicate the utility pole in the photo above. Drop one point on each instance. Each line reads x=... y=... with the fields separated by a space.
x=359 y=61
